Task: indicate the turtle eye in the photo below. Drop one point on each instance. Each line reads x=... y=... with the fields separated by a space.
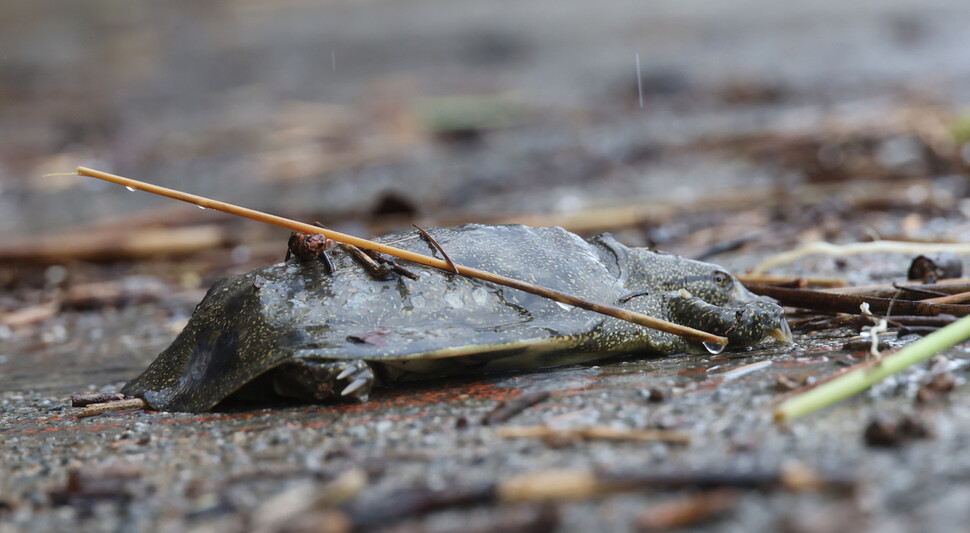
x=723 y=279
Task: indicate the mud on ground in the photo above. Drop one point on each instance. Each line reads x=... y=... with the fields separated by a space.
x=761 y=128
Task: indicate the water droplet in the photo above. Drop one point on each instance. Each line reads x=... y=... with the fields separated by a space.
x=132 y=189
x=713 y=347
x=200 y=206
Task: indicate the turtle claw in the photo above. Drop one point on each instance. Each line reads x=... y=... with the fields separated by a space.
x=314 y=381
x=361 y=381
x=349 y=371
x=359 y=389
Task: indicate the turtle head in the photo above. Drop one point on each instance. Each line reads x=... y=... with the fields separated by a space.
x=716 y=286
x=758 y=317
x=660 y=272
x=744 y=325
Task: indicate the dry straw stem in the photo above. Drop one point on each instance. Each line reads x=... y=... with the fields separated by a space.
x=671 y=436
x=861 y=379
x=616 y=312
x=839 y=250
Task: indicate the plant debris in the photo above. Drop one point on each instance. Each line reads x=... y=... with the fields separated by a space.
x=87 y=486
x=84 y=400
x=929 y=269
x=937 y=388
x=125 y=404
x=888 y=431
x=671 y=436
x=687 y=510
x=509 y=408
x=549 y=486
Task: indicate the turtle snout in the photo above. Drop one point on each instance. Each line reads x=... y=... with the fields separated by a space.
x=782 y=333
x=758 y=320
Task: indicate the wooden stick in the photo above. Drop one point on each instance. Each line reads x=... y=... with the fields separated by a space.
x=944 y=286
x=108 y=407
x=616 y=312
x=958 y=298
x=818 y=300
x=799 y=281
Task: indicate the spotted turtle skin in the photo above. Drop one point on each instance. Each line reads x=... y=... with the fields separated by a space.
x=296 y=326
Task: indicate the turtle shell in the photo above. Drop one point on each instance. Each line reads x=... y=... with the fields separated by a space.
x=438 y=324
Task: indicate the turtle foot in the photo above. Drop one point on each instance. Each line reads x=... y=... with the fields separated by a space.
x=314 y=381
x=359 y=378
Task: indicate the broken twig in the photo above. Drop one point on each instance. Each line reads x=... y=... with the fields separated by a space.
x=818 y=300
x=510 y=408
x=84 y=400
x=130 y=404
x=427 y=236
x=616 y=312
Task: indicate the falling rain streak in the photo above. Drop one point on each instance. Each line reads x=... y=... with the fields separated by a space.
x=639 y=81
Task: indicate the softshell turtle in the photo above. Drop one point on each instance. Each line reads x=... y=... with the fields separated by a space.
x=304 y=330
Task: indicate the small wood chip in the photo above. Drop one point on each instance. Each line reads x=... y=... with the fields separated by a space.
x=107 y=407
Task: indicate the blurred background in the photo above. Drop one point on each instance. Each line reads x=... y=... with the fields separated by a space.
x=728 y=131
x=701 y=128
x=360 y=113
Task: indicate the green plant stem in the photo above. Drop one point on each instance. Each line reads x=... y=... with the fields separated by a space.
x=861 y=379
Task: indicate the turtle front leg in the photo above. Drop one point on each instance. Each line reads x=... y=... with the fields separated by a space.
x=743 y=326
x=312 y=380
